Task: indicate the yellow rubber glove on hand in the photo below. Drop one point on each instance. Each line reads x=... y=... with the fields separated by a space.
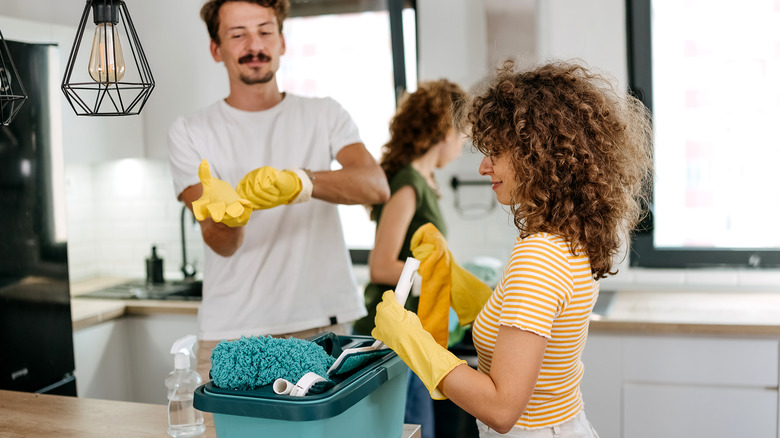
x=433 y=308
x=401 y=330
x=468 y=294
x=219 y=201
x=267 y=187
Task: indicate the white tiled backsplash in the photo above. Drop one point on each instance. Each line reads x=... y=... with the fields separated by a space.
x=117 y=210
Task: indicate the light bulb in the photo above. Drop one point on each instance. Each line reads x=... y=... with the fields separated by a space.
x=106 y=63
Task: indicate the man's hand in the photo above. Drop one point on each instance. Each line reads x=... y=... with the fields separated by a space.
x=219 y=201
x=267 y=187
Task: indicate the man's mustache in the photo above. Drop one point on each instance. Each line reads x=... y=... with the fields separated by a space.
x=254 y=57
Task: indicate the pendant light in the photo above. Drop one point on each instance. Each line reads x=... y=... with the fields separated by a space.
x=108 y=76
x=12 y=94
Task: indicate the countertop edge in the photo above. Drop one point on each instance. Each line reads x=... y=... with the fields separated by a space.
x=89 y=312
x=603 y=326
x=651 y=312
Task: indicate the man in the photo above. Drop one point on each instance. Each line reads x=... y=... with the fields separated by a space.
x=285 y=271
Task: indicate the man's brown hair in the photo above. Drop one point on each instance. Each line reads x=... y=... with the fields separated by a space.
x=210 y=13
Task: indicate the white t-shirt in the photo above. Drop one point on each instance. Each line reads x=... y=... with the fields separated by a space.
x=293 y=271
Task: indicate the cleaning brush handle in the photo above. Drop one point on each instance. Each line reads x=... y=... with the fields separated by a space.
x=402 y=289
x=406 y=280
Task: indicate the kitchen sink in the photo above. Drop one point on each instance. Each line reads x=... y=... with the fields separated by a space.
x=182 y=290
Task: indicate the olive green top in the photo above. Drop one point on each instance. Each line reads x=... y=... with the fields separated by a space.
x=426 y=210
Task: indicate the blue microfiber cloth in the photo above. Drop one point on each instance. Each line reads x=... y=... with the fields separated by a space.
x=249 y=363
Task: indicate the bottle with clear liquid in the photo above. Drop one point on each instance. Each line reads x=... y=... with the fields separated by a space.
x=183 y=419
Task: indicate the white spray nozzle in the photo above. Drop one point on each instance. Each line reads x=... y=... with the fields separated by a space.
x=407 y=278
x=183 y=348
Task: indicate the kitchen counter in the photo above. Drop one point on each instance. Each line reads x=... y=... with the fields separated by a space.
x=86 y=312
x=673 y=312
x=25 y=415
x=692 y=312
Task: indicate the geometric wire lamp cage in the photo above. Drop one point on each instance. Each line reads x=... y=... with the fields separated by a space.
x=12 y=94
x=108 y=75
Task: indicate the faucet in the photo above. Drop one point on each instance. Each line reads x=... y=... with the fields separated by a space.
x=188 y=269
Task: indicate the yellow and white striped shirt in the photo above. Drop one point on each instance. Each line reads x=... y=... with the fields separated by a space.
x=548 y=291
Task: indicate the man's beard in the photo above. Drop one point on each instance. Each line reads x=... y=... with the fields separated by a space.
x=251 y=80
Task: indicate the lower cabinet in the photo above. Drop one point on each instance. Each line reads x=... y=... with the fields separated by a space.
x=654 y=410
x=127 y=359
x=681 y=386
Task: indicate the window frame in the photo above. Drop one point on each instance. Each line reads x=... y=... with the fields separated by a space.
x=643 y=252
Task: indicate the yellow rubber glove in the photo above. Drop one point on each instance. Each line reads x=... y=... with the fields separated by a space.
x=468 y=294
x=401 y=330
x=433 y=308
x=267 y=187
x=219 y=201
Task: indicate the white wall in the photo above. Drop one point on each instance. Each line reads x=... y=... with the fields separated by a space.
x=594 y=31
x=176 y=44
x=116 y=211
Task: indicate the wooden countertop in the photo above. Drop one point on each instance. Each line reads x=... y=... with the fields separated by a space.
x=26 y=415
x=40 y=415
x=703 y=312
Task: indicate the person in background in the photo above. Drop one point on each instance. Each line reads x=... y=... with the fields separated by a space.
x=424 y=136
x=284 y=271
x=572 y=159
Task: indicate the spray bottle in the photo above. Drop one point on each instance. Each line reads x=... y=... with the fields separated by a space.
x=183 y=419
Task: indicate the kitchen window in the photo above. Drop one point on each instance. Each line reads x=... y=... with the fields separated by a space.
x=363 y=54
x=710 y=73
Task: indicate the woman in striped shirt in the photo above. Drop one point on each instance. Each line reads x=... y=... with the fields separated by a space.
x=571 y=157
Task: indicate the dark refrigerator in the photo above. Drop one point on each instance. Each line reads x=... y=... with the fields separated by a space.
x=36 y=336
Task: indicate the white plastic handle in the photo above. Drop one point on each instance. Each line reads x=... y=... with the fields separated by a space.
x=307 y=381
x=402 y=289
x=407 y=278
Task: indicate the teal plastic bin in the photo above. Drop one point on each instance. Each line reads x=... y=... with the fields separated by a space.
x=368 y=403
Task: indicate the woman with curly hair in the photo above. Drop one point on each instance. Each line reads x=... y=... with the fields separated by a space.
x=424 y=135
x=572 y=159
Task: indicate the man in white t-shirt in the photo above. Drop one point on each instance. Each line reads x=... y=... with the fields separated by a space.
x=286 y=272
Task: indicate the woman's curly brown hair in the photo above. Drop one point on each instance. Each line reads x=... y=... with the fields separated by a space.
x=422 y=120
x=581 y=152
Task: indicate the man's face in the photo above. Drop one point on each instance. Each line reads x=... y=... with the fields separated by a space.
x=250 y=42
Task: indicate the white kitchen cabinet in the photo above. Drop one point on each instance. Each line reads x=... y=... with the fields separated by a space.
x=102 y=361
x=150 y=338
x=669 y=411
x=602 y=383
x=681 y=386
x=127 y=359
